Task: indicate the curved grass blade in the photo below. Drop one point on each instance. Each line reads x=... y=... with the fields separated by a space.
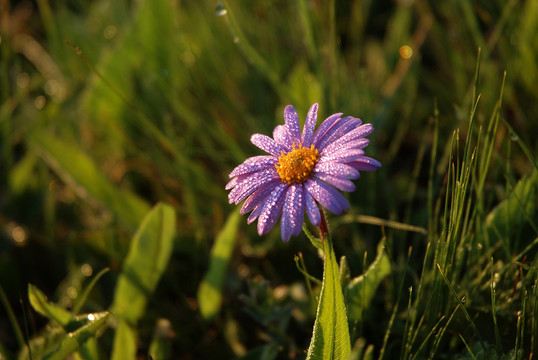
x=79 y=170
x=52 y=311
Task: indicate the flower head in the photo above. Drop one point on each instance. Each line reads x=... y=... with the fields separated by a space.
x=302 y=171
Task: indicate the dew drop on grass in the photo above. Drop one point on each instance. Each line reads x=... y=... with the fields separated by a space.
x=221 y=10
x=513 y=136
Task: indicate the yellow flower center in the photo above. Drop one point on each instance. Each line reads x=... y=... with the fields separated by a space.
x=297 y=166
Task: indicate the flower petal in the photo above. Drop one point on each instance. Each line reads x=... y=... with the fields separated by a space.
x=365 y=163
x=255 y=163
x=309 y=125
x=338 y=130
x=342 y=144
x=337 y=182
x=259 y=196
x=343 y=156
x=282 y=137
x=336 y=169
x=293 y=212
x=267 y=144
x=326 y=195
x=272 y=208
x=312 y=209
x=249 y=183
x=292 y=122
x=325 y=125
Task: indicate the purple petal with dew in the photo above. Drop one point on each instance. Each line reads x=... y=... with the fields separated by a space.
x=293 y=212
x=255 y=214
x=250 y=183
x=342 y=156
x=267 y=144
x=309 y=125
x=232 y=183
x=312 y=209
x=365 y=163
x=282 y=137
x=343 y=143
x=255 y=163
x=336 y=169
x=258 y=196
x=338 y=130
x=330 y=198
x=337 y=182
x=272 y=208
x=325 y=125
x=292 y=122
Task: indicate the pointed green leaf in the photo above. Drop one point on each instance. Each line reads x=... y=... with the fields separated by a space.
x=147 y=259
x=330 y=339
x=78 y=169
x=210 y=290
x=54 y=312
x=361 y=289
x=73 y=340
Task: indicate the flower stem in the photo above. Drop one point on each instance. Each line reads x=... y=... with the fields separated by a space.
x=323 y=228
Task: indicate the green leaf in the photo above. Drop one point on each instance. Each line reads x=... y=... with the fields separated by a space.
x=330 y=339
x=52 y=311
x=73 y=340
x=124 y=341
x=210 y=290
x=79 y=170
x=515 y=211
x=146 y=261
x=361 y=289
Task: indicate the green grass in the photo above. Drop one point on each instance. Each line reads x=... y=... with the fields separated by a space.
x=110 y=107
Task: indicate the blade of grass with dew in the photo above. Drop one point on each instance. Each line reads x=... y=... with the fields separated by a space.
x=210 y=290
x=362 y=289
x=148 y=257
x=73 y=340
x=330 y=338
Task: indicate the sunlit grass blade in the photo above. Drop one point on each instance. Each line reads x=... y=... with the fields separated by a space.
x=210 y=289
x=149 y=253
x=52 y=311
x=72 y=341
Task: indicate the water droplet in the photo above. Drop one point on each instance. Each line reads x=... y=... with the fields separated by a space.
x=91 y=317
x=221 y=10
x=513 y=136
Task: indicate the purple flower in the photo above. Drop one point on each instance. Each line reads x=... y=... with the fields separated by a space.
x=302 y=171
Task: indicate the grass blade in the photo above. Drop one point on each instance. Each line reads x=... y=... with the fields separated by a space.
x=210 y=289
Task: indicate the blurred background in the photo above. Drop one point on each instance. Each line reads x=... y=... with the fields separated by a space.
x=108 y=107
